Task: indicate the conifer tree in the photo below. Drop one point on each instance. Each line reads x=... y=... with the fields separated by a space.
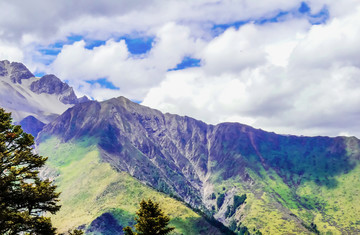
x=76 y=232
x=24 y=197
x=150 y=220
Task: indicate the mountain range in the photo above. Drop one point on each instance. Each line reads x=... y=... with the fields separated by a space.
x=33 y=100
x=211 y=179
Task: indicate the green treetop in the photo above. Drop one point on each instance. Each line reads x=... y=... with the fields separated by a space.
x=150 y=220
x=24 y=197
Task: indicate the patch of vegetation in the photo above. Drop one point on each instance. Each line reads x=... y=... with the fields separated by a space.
x=220 y=200
x=312 y=228
x=91 y=188
x=232 y=225
x=283 y=193
x=230 y=211
x=26 y=199
x=242 y=230
x=239 y=200
x=150 y=220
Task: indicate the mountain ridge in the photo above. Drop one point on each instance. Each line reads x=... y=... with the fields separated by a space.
x=189 y=159
x=245 y=178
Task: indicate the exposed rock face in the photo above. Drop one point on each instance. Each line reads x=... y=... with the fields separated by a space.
x=185 y=157
x=17 y=71
x=83 y=99
x=50 y=84
x=3 y=70
x=129 y=135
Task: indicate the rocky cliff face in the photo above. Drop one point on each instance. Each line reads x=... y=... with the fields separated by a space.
x=129 y=135
x=210 y=166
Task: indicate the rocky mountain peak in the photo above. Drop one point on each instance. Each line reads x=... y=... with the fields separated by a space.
x=17 y=71
x=25 y=95
x=50 y=84
x=83 y=99
x=123 y=103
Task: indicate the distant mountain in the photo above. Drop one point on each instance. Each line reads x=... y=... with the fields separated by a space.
x=246 y=178
x=31 y=125
x=25 y=95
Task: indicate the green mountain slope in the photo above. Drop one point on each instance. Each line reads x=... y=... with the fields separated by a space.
x=97 y=198
x=242 y=176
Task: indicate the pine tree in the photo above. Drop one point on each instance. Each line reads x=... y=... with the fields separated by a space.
x=151 y=220
x=24 y=197
x=76 y=232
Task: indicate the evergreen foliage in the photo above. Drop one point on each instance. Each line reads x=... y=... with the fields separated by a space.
x=232 y=225
x=243 y=230
x=230 y=211
x=24 y=197
x=76 y=232
x=220 y=200
x=239 y=200
x=150 y=221
x=312 y=228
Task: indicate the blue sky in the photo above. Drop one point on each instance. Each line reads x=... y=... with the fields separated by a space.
x=138 y=45
x=261 y=63
x=301 y=11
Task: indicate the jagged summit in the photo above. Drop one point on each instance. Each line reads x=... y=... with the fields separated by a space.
x=25 y=95
x=50 y=84
x=15 y=71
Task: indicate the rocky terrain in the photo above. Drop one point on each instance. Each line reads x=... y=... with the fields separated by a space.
x=212 y=167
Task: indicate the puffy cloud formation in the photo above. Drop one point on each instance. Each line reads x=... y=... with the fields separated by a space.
x=133 y=74
x=286 y=66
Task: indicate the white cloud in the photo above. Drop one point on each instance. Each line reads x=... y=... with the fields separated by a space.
x=311 y=87
x=10 y=52
x=134 y=75
x=217 y=97
x=335 y=42
x=287 y=76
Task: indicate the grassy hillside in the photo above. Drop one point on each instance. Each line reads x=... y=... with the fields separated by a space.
x=292 y=184
x=102 y=200
x=92 y=192
x=280 y=200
